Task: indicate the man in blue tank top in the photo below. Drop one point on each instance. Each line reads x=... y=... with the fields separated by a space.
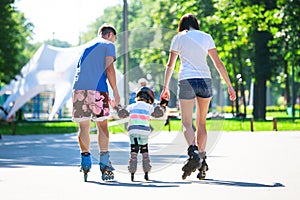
x=91 y=99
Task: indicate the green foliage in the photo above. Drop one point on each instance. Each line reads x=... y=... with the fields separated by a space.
x=258 y=39
x=15 y=32
x=23 y=128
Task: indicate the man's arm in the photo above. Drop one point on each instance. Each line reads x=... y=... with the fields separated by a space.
x=111 y=76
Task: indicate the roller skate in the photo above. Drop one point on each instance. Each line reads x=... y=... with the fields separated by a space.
x=193 y=162
x=146 y=165
x=86 y=164
x=106 y=167
x=132 y=164
x=204 y=167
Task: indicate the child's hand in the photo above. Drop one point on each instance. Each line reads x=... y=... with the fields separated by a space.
x=123 y=113
x=164 y=102
x=158 y=112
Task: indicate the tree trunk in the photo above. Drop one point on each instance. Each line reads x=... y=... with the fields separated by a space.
x=259 y=110
x=262 y=72
x=287 y=84
x=236 y=86
x=242 y=87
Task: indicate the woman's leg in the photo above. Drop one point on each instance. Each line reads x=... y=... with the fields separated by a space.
x=202 y=105
x=84 y=136
x=186 y=109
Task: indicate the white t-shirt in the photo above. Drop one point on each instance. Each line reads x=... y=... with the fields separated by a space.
x=192 y=47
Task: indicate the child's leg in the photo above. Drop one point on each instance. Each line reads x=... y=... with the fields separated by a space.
x=134 y=147
x=145 y=153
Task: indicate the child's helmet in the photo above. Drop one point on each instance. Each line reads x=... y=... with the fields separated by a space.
x=146 y=93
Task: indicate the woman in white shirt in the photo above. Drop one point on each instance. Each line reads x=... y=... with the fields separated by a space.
x=192 y=46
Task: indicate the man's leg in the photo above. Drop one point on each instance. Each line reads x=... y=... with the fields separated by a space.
x=103 y=141
x=103 y=135
x=84 y=136
x=84 y=143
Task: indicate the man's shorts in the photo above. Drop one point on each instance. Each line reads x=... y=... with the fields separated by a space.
x=195 y=87
x=90 y=104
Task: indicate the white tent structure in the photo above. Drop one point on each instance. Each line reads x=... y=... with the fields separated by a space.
x=50 y=69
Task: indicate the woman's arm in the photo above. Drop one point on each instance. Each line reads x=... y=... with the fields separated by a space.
x=223 y=72
x=168 y=74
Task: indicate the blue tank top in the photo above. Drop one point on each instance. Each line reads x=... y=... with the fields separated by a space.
x=90 y=71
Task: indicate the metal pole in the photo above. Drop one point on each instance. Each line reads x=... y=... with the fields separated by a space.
x=125 y=44
x=293 y=92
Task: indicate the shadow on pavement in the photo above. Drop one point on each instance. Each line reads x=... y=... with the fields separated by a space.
x=39 y=150
x=236 y=183
x=147 y=184
x=63 y=150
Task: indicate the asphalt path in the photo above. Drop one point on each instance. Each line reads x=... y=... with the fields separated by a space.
x=242 y=165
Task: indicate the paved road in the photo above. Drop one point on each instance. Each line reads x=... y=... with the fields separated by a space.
x=243 y=165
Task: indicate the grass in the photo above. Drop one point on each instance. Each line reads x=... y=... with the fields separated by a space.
x=22 y=128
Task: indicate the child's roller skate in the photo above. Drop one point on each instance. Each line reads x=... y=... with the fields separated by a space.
x=132 y=164
x=146 y=165
x=106 y=167
x=204 y=167
x=86 y=164
x=192 y=163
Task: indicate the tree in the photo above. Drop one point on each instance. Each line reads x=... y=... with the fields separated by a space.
x=15 y=32
x=258 y=40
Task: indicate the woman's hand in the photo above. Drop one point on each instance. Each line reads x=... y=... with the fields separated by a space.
x=232 y=94
x=165 y=94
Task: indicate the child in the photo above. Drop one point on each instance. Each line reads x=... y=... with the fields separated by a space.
x=139 y=127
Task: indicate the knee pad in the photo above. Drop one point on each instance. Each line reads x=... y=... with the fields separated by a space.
x=144 y=148
x=134 y=148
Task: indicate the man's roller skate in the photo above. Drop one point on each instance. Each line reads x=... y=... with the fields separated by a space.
x=86 y=164
x=192 y=163
x=132 y=164
x=146 y=165
x=106 y=167
x=204 y=167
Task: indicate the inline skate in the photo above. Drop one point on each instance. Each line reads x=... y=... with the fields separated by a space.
x=146 y=165
x=132 y=164
x=204 y=167
x=106 y=167
x=192 y=163
x=86 y=164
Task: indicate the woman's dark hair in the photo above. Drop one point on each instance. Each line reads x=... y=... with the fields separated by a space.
x=188 y=20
